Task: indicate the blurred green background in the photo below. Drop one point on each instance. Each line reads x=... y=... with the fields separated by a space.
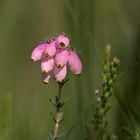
x=92 y=24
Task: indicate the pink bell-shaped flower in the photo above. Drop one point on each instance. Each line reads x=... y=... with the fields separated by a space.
x=74 y=62
x=46 y=77
x=62 y=41
x=55 y=55
x=50 y=49
x=60 y=73
x=61 y=58
x=38 y=52
x=47 y=64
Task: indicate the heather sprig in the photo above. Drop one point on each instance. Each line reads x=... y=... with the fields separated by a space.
x=110 y=68
x=55 y=55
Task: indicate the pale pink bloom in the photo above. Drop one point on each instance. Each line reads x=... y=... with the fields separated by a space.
x=47 y=64
x=61 y=57
x=38 y=52
x=60 y=73
x=50 y=49
x=74 y=62
x=62 y=41
x=46 y=77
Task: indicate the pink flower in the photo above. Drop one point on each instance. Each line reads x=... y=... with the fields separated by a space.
x=37 y=53
x=46 y=77
x=60 y=73
x=61 y=57
x=74 y=62
x=47 y=64
x=54 y=56
x=50 y=49
x=62 y=41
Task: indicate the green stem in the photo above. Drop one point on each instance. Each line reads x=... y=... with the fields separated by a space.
x=59 y=92
x=59 y=114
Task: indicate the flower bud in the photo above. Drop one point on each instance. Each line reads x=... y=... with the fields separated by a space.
x=37 y=53
x=46 y=77
x=74 y=62
x=50 y=49
x=61 y=58
x=62 y=41
x=60 y=73
x=47 y=64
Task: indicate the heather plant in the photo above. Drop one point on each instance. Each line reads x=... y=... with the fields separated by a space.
x=103 y=105
x=55 y=54
x=25 y=113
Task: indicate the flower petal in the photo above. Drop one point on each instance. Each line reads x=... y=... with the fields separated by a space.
x=47 y=64
x=74 y=62
x=62 y=41
x=50 y=49
x=37 y=53
x=61 y=58
x=46 y=77
x=60 y=73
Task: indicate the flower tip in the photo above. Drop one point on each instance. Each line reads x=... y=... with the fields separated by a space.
x=44 y=72
x=78 y=74
x=108 y=48
x=58 y=81
x=96 y=92
x=32 y=59
x=62 y=41
x=59 y=66
x=46 y=54
x=45 y=82
x=50 y=49
x=60 y=73
x=62 y=45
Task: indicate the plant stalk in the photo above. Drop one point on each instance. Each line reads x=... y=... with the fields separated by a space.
x=59 y=113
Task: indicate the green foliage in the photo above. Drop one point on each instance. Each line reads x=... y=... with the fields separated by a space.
x=133 y=134
x=110 y=68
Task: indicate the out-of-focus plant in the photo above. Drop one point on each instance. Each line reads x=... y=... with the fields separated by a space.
x=110 y=69
x=133 y=134
x=55 y=54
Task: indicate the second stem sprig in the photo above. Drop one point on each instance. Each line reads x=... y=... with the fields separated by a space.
x=110 y=68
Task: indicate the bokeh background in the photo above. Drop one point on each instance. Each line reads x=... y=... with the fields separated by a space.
x=91 y=24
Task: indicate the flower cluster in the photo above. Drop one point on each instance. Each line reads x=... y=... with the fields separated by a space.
x=55 y=55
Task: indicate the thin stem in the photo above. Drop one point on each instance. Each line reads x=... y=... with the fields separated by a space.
x=59 y=91
x=59 y=114
x=110 y=68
